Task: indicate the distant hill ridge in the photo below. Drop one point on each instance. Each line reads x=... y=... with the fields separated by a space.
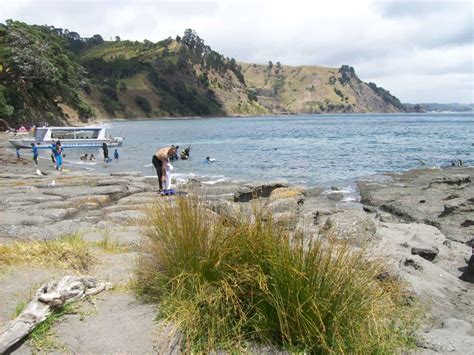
x=55 y=75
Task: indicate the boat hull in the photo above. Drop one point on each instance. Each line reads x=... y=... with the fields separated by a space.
x=65 y=143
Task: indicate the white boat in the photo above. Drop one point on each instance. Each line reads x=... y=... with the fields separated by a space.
x=70 y=137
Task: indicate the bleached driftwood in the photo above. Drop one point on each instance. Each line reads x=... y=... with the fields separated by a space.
x=49 y=297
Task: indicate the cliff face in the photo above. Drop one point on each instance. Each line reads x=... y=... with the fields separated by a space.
x=71 y=78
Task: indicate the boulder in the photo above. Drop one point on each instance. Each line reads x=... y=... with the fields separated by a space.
x=282 y=205
x=257 y=190
x=287 y=192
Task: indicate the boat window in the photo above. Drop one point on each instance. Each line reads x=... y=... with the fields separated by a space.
x=87 y=134
x=62 y=134
x=39 y=134
x=75 y=134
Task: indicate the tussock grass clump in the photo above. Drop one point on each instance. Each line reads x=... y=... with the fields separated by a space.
x=70 y=251
x=229 y=285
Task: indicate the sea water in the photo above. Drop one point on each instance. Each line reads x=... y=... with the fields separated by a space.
x=309 y=150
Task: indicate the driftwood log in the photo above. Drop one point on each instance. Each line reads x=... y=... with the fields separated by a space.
x=49 y=297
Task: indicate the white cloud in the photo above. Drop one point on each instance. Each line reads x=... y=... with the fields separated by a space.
x=402 y=45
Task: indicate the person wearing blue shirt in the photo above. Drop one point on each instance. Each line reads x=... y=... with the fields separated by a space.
x=35 y=153
x=116 y=154
x=58 y=156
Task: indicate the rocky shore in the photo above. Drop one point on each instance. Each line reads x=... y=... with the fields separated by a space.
x=421 y=222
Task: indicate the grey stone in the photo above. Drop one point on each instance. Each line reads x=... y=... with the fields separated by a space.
x=429 y=252
x=353 y=225
x=282 y=205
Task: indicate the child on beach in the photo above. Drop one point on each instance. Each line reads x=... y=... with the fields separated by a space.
x=18 y=153
x=116 y=154
x=35 y=153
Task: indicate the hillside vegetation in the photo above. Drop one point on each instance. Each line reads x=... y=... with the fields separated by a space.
x=313 y=89
x=55 y=75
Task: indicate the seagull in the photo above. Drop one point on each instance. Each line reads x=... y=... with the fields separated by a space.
x=52 y=183
x=40 y=173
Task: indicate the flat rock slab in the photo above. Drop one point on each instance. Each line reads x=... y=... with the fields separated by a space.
x=115 y=191
x=116 y=324
x=25 y=219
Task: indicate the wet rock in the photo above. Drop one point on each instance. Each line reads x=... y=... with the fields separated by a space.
x=257 y=190
x=429 y=253
x=335 y=196
x=313 y=192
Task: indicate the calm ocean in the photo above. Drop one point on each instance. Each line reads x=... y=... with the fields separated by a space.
x=306 y=149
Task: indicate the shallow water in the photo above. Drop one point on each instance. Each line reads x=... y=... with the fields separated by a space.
x=309 y=150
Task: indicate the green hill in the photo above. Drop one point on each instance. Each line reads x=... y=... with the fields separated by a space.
x=55 y=75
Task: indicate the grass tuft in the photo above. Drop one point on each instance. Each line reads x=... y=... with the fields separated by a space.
x=42 y=337
x=67 y=252
x=110 y=245
x=229 y=285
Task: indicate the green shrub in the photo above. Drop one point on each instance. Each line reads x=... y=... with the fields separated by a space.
x=143 y=103
x=229 y=283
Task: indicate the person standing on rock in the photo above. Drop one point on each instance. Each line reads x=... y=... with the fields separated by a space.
x=105 y=149
x=160 y=160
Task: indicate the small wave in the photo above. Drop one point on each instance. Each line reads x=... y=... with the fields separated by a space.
x=79 y=162
x=213 y=182
x=148 y=166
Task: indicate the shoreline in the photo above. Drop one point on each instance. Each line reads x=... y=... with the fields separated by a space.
x=420 y=222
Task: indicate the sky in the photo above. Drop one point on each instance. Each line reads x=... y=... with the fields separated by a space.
x=421 y=51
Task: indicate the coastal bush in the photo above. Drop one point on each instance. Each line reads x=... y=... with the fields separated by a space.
x=229 y=283
x=143 y=103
